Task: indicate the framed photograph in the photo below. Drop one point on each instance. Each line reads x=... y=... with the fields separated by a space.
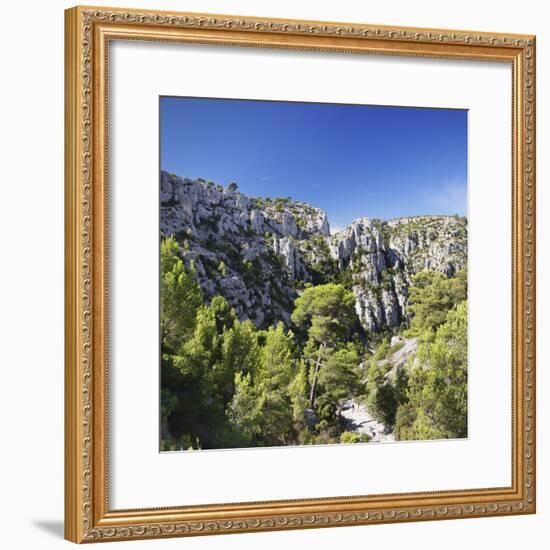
x=300 y=274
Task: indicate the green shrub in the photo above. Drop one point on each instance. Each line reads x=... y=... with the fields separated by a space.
x=353 y=437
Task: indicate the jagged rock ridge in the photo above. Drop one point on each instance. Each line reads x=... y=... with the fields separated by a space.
x=260 y=252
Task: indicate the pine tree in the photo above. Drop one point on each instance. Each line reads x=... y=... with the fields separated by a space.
x=438 y=386
x=328 y=312
x=431 y=296
x=180 y=296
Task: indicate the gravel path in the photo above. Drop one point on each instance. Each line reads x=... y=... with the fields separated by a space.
x=357 y=419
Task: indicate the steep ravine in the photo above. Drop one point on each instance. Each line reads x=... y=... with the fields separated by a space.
x=260 y=252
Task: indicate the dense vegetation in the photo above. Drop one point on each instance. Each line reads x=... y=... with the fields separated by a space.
x=226 y=383
x=426 y=398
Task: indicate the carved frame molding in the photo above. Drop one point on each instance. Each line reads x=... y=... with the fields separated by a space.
x=88 y=32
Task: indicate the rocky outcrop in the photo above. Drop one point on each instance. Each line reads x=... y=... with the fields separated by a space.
x=259 y=252
x=401 y=350
x=384 y=255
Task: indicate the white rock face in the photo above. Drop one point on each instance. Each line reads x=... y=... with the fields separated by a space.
x=291 y=257
x=271 y=247
x=384 y=255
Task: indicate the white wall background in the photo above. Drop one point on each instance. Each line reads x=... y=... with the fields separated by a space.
x=31 y=289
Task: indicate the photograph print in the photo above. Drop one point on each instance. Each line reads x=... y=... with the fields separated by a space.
x=313 y=274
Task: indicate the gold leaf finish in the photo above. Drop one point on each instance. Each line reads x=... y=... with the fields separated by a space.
x=88 y=32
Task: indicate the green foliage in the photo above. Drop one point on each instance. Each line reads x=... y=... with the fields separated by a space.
x=222 y=268
x=168 y=403
x=180 y=295
x=384 y=395
x=261 y=408
x=245 y=411
x=329 y=310
x=281 y=203
x=223 y=313
x=225 y=383
x=353 y=437
x=427 y=398
x=297 y=392
x=431 y=296
x=206 y=365
x=337 y=380
x=328 y=313
x=239 y=354
x=184 y=443
x=438 y=386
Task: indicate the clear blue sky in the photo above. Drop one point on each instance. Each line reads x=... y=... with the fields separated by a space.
x=350 y=160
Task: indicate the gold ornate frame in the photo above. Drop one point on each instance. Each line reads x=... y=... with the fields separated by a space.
x=88 y=33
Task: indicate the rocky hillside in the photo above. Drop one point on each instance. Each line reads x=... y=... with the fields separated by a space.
x=260 y=253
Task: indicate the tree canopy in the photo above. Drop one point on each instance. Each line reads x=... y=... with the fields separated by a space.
x=431 y=296
x=226 y=383
x=438 y=386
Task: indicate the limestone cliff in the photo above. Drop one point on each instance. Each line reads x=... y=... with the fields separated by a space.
x=259 y=252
